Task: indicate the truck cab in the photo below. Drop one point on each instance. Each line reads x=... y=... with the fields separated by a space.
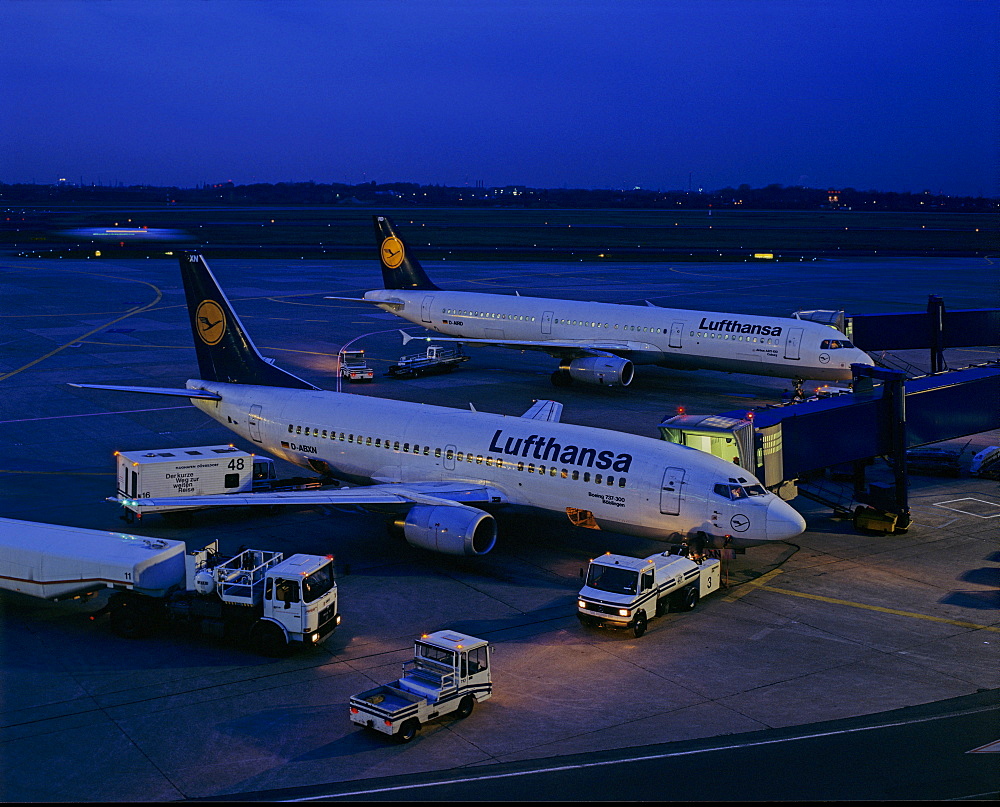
x=354 y=366
x=626 y=592
x=295 y=597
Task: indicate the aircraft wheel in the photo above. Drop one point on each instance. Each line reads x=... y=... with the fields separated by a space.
x=407 y=731
x=465 y=707
x=639 y=626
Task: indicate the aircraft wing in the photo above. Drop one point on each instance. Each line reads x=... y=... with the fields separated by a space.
x=570 y=349
x=175 y=393
x=394 y=305
x=434 y=493
x=544 y=410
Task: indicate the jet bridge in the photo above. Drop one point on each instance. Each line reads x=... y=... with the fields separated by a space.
x=884 y=415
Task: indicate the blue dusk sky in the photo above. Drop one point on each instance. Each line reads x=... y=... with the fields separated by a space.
x=886 y=95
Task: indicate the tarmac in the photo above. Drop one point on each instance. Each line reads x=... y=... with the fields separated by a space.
x=834 y=624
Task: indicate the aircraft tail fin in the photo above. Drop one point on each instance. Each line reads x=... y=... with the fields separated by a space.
x=400 y=268
x=225 y=352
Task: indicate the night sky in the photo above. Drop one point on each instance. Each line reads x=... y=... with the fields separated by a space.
x=669 y=94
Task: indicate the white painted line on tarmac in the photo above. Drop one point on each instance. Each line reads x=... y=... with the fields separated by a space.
x=95 y=414
x=646 y=758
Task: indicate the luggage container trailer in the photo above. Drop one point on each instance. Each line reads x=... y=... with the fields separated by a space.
x=275 y=603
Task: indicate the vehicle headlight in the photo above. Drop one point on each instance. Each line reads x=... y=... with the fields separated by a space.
x=581 y=603
x=624 y=612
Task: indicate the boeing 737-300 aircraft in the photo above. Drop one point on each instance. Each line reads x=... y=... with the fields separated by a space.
x=598 y=343
x=441 y=470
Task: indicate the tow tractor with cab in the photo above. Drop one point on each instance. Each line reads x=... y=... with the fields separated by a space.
x=449 y=673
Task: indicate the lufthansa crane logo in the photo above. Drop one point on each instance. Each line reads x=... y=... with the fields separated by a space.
x=392 y=252
x=824 y=358
x=739 y=522
x=210 y=322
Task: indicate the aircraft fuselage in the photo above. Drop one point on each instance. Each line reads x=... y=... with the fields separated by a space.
x=599 y=478
x=669 y=337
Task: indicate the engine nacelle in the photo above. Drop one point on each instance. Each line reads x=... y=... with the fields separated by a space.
x=607 y=371
x=453 y=530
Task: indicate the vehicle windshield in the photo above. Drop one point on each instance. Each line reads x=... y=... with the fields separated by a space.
x=613 y=579
x=835 y=344
x=438 y=654
x=318 y=583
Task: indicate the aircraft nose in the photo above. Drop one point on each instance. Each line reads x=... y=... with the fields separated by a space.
x=861 y=357
x=783 y=521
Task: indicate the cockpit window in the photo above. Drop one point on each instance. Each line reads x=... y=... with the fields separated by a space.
x=734 y=491
x=834 y=344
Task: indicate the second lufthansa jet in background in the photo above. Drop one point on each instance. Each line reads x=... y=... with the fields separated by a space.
x=598 y=343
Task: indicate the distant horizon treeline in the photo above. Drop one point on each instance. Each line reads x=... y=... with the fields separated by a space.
x=396 y=194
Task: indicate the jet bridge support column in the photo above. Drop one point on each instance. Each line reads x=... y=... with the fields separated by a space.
x=935 y=312
x=894 y=420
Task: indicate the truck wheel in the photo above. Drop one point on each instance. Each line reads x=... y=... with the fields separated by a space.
x=127 y=621
x=268 y=640
x=688 y=598
x=408 y=731
x=639 y=626
x=465 y=707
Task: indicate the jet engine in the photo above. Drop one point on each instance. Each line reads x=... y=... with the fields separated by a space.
x=451 y=529
x=606 y=371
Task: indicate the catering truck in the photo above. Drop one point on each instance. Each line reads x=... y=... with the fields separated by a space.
x=163 y=473
x=626 y=592
x=449 y=673
x=195 y=471
x=275 y=603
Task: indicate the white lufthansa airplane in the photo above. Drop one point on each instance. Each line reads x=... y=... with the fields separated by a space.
x=598 y=343
x=439 y=471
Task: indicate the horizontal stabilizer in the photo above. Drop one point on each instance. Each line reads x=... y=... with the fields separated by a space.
x=174 y=393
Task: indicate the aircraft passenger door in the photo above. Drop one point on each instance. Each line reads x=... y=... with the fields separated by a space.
x=425 y=308
x=254 y=422
x=792 y=343
x=449 y=457
x=676 y=332
x=670 y=491
x=547 y=322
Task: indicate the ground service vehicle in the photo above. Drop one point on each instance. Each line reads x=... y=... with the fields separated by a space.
x=167 y=473
x=624 y=592
x=436 y=360
x=193 y=471
x=260 y=596
x=354 y=367
x=450 y=672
